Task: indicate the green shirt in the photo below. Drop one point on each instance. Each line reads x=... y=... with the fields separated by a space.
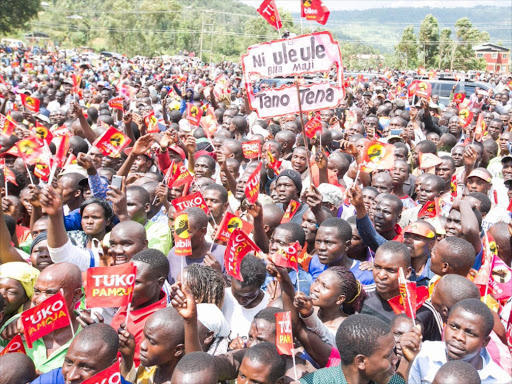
x=39 y=356
x=334 y=375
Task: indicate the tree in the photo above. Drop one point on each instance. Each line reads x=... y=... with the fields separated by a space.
x=446 y=46
x=407 y=49
x=429 y=40
x=463 y=56
x=15 y=14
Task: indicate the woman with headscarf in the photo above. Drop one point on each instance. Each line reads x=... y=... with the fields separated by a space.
x=17 y=280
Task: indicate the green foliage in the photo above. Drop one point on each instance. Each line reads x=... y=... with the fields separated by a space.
x=407 y=49
x=15 y=14
x=429 y=41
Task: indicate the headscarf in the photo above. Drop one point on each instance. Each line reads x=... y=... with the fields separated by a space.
x=22 y=272
x=41 y=237
x=213 y=319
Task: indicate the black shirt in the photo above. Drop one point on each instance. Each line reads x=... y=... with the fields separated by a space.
x=432 y=323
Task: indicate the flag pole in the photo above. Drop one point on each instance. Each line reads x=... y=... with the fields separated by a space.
x=294 y=365
x=70 y=321
x=128 y=309
x=304 y=132
x=29 y=175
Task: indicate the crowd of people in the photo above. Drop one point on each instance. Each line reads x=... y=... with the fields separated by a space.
x=439 y=216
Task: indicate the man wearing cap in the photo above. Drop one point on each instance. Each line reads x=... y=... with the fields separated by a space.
x=480 y=180
x=289 y=187
x=420 y=238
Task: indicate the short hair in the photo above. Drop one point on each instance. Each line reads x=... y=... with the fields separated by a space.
x=157 y=261
x=399 y=144
x=17 y=368
x=195 y=362
x=253 y=271
x=437 y=182
x=205 y=283
x=173 y=322
x=458 y=371
x=370 y=188
x=100 y=332
x=296 y=230
x=476 y=307
x=448 y=159
x=358 y=335
x=267 y=354
x=459 y=288
x=393 y=198
x=141 y=192
x=344 y=229
x=426 y=146
x=198 y=216
x=209 y=160
x=268 y=314
x=107 y=209
x=397 y=248
x=485 y=205
x=462 y=254
x=219 y=188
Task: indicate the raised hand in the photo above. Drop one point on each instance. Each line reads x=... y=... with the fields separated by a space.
x=183 y=301
x=51 y=201
x=143 y=144
x=303 y=304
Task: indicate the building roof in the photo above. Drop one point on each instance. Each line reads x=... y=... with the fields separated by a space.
x=490 y=47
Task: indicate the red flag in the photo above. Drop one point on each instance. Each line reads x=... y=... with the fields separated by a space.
x=314 y=10
x=60 y=131
x=501 y=275
x=42 y=134
x=251 y=149
x=112 y=142
x=229 y=223
x=29 y=150
x=293 y=207
x=50 y=315
x=268 y=10
x=377 y=155
x=6 y=125
x=422 y=71
x=238 y=246
x=15 y=345
x=62 y=151
x=42 y=170
x=430 y=209
x=110 y=286
x=420 y=88
x=313 y=126
x=77 y=81
x=465 y=117
x=194 y=114
x=28 y=66
x=193 y=200
x=111 y=375
x=182 y=242
x=209 y=123
x=180 y=175
x=273 y=163
x=459 y=97
x=252 y=189
x=284 y=335
x=116 y=103
x=9 y=175
x=288 y=257
x=432 y=74
x=453 y=187
x=304 y=258
x=480 y=127
x=29 y=102
x=410 y=299
x=151 y=122
x=126 y=90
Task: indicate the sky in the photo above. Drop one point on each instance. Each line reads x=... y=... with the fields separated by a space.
x=339 y=5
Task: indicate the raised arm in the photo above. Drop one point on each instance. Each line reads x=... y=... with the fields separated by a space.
x=7 y=252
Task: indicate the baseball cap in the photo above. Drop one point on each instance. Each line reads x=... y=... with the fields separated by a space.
x=506 y=158
x=178 y=150
x=480 y=174
x=421 y=229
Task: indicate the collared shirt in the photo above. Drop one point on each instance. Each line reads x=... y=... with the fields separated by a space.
x=425 y=276
x=137 y=320
x=334 y=375
x=39 y=355
x=364 y=277
x=432 y=356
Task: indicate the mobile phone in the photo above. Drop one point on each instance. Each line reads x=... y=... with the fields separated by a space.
x=117 y=181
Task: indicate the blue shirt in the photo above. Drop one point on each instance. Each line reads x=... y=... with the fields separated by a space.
x=425 y=276
x=364 y=277
x=56 y=377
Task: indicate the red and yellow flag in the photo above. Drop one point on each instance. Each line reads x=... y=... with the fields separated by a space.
x=284 y=333
x=238 y=246
x=252 y=189
x=112 y=142
x=29 y=102
x=377 y=155
x=182 y=241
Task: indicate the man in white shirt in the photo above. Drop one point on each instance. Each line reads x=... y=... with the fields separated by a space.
x=466 y=335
